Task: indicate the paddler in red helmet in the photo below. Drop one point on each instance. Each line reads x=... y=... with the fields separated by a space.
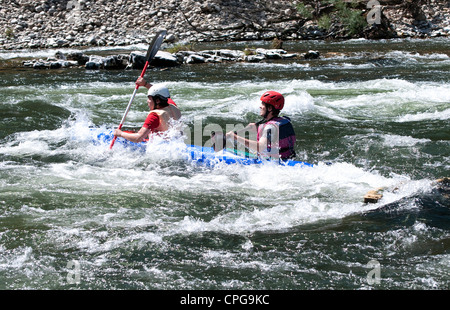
x=275 y=135
x=163 y=111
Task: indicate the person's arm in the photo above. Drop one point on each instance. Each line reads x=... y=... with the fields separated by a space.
x=150 y=124
x=250 y=144
x=135 y=137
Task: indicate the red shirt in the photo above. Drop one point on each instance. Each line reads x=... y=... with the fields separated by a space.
x=151 y=122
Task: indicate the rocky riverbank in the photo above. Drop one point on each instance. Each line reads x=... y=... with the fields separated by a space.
x=162 y=59
x=28 y=24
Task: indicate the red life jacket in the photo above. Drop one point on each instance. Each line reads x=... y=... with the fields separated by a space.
x=286 y=139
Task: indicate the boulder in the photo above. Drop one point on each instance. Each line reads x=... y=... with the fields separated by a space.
x=94 y=63
x=79 y=57
x=311 y=55
x=254 y=58
x=50 y=64
x=230 y=54
x=195 y=59
x=164 y=59
x=270 y=53
x=136 y=60
x=115 y=62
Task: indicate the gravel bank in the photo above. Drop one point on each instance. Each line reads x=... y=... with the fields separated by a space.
x=27 y=24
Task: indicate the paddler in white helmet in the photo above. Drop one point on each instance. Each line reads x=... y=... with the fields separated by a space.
x=162 y=111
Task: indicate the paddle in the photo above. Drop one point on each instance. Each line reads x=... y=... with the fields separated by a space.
x=152 y=50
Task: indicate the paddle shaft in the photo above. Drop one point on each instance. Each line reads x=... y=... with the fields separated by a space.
x=153 y=48
x=129 y=104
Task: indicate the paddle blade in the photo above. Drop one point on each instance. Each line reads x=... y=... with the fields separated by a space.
x=155 y=45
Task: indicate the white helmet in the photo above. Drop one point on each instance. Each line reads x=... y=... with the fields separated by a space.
x=159 y=90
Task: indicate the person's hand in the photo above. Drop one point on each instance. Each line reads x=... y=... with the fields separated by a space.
x=141 y=81
x=118 y=133
x=230 y=135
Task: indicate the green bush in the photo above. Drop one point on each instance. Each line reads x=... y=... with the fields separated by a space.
x=305 y=11
x=324 y=22
x=352 y=19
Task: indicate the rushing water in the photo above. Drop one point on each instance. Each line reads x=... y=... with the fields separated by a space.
x=76 y=215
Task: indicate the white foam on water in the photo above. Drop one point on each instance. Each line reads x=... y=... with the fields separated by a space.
x=396 y=100
x=299 y=103
x=436 y=115
x=416 y=56
x=406 y=141
x=281 y=198
x=91 y=163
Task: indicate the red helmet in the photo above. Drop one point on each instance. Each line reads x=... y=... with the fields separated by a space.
x=273 y=98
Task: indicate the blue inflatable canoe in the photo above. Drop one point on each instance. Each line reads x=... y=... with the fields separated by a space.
x=201 y=154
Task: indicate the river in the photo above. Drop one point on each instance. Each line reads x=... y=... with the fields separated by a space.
x=368 y=115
